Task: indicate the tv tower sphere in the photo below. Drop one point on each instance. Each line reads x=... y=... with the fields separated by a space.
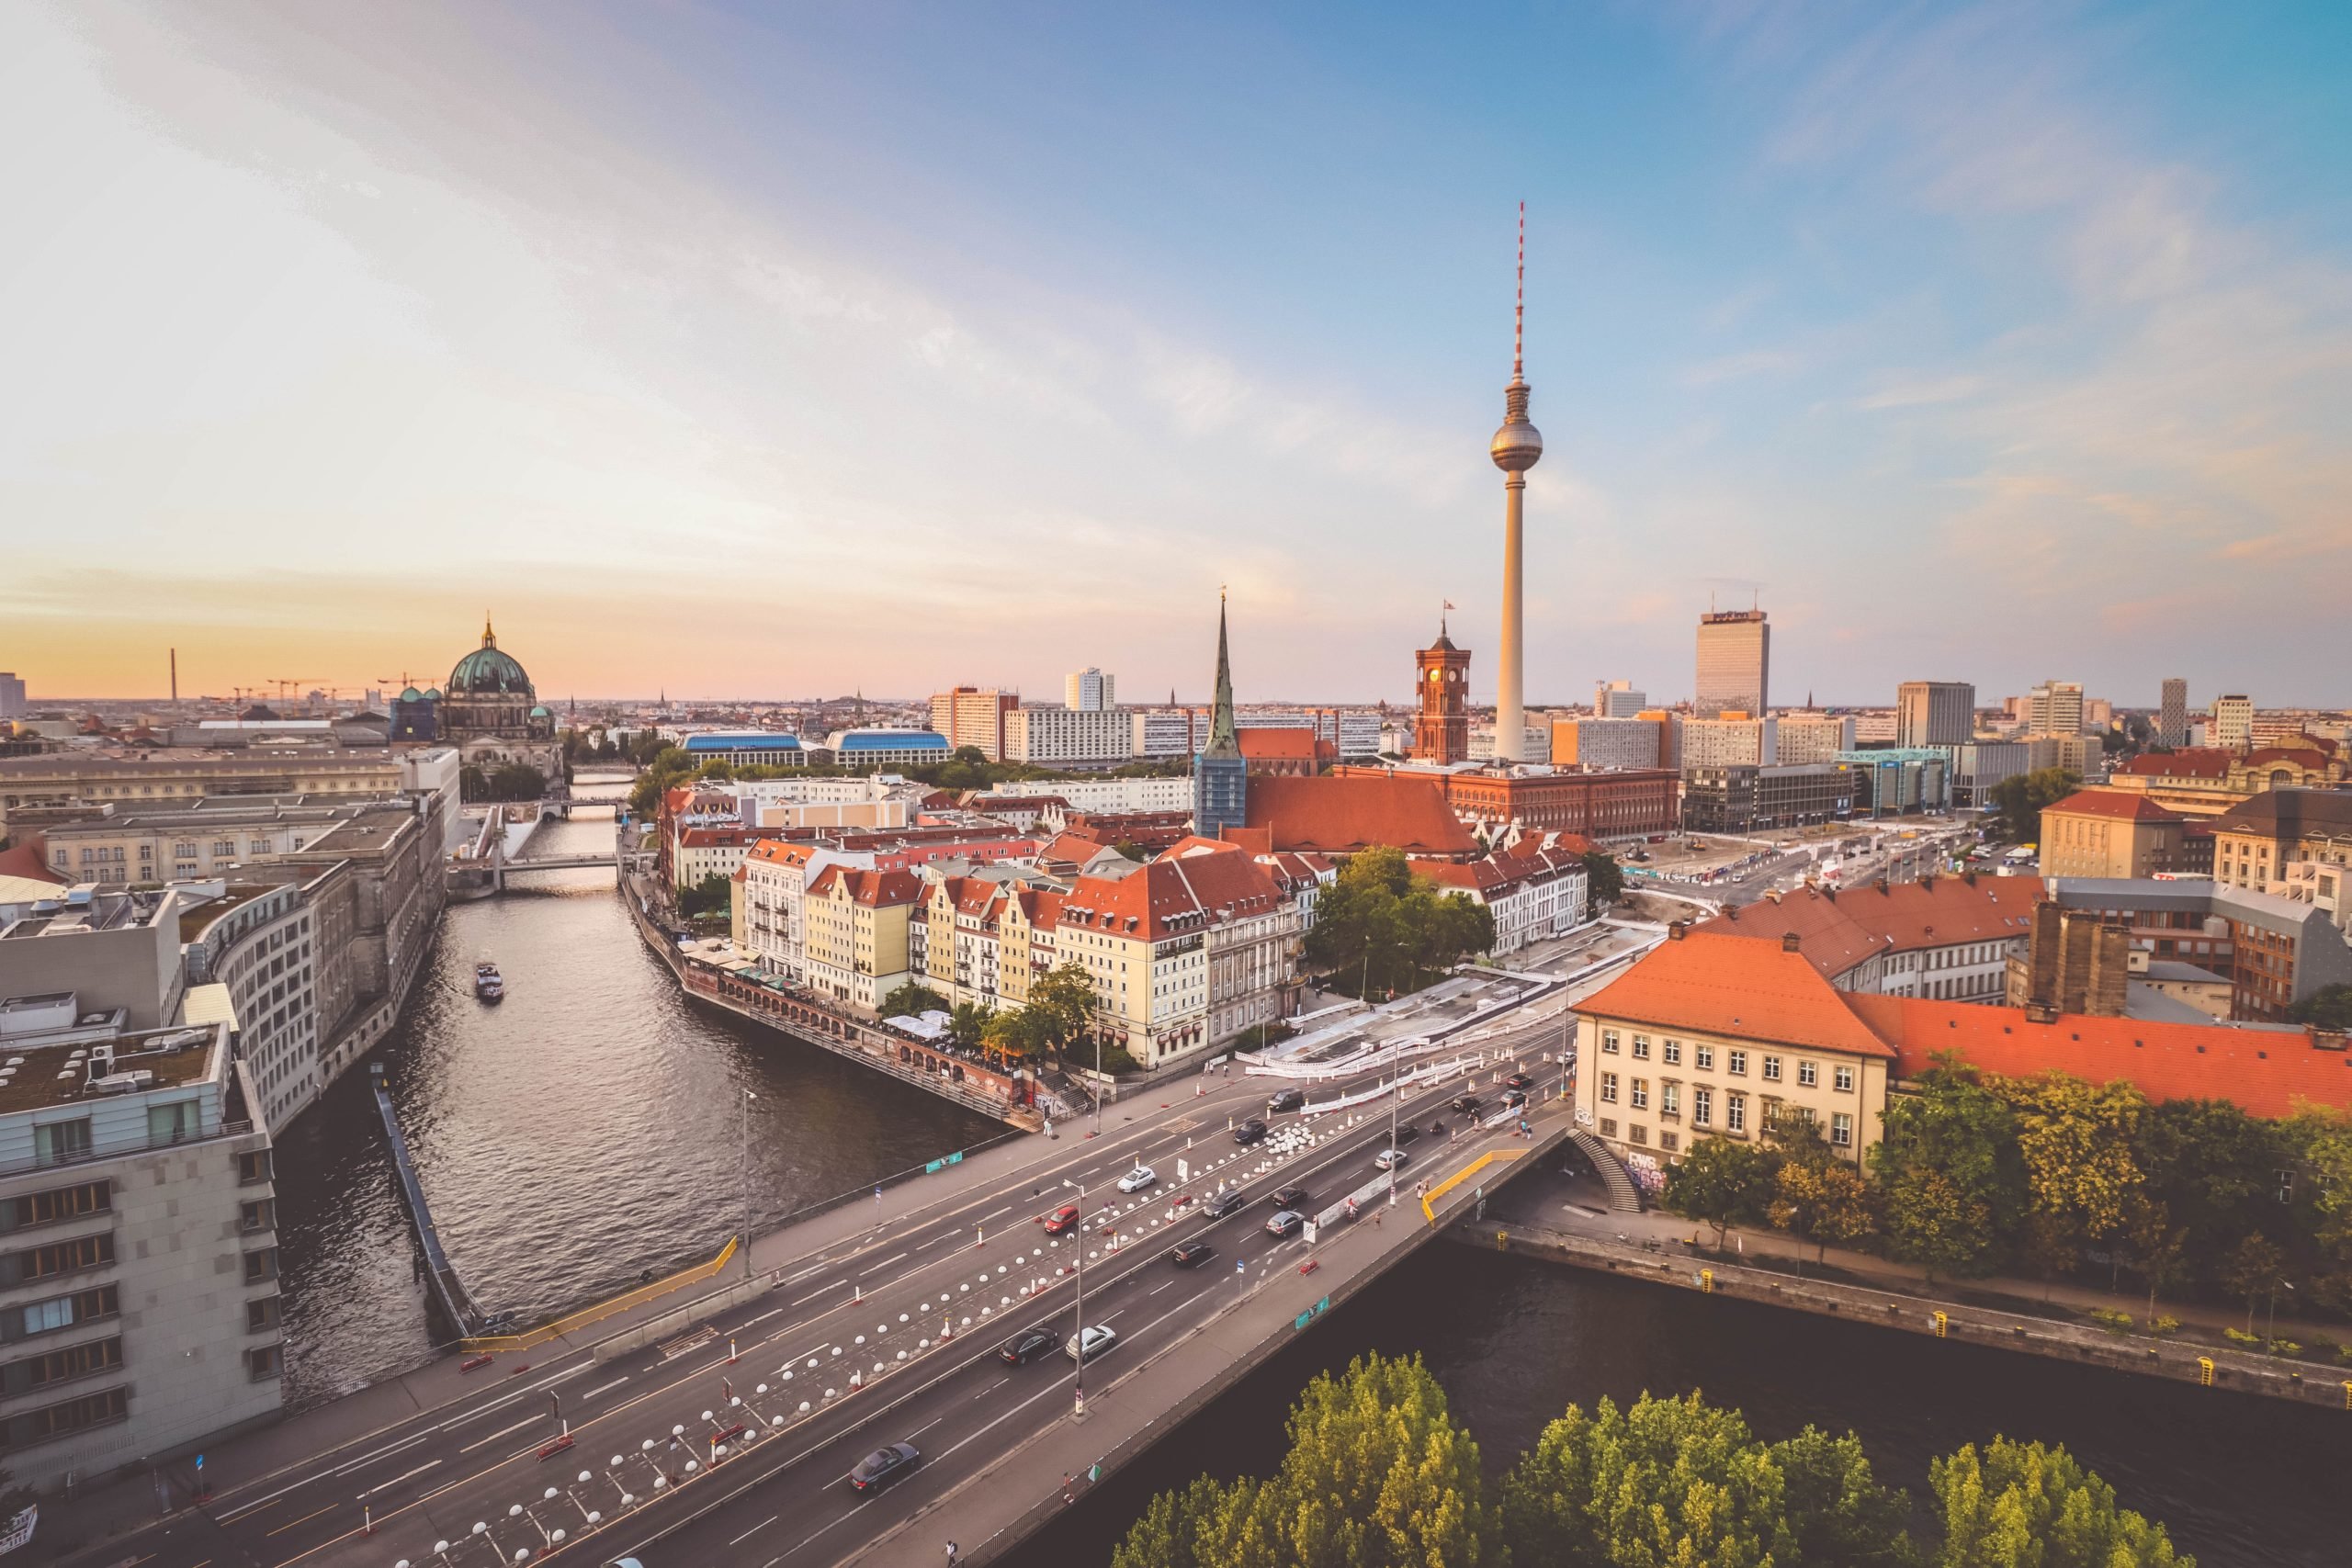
x=1518 y=443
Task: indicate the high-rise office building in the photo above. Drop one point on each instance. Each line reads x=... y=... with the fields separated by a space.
x=1617 y=699
x=1220 y=774
x=2172 y=717
x=1089 y=690
x=1735 y=662
x=12 y=695
x=2232 y=726
x=1515 y=449
x=2055 y=707
x=1935 y=713
x=973 y=716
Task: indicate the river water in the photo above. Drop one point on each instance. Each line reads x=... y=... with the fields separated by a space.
x=588 y=1127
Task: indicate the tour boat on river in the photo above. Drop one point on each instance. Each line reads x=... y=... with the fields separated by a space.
x=488 y=985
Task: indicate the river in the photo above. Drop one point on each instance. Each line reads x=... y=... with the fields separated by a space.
x=586 y=1128
x=2238 y=1480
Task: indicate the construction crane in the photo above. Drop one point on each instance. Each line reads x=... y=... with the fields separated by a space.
x=285 y=683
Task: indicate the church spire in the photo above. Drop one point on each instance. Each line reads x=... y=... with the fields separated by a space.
x=1223 y=742
x=489 y=638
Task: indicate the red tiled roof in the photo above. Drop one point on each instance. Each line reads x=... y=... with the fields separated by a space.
x=25 y=860
x=1193 y=844
x=1343 y=815
x=1257 y=840
x=874 y=888
x=721 y=838
x=2263 y=1071
x=1282 y=745
x=1165 y=897
x=2123 y=805
x=1838 y=930
x=1736 y=986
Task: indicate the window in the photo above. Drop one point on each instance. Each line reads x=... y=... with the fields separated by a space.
x=1669 y=1100
x=1841 y=1130
x=1608 y=1127
x=64 y=1312
x=62 y=1366
x=1735 y=1063
x=261 y=1264
x=170 y=1124
x=1609 y=1042
x=1702 y=1106
x=265 y=1361
x=1808 y=1075
x=261 y=1215
x=1641 y=1047
x=1736 y=1114
x=1609 y=1088
x=1706 y=1058
x=1772 y=1068
x=57 y=1204
x=225 y=848
x=55 y=1420
x=1669 y=1141
x=1844 y=1081
x=1637 y=1133
x=62 y=1143
x=65 y=1256
x=1670 y=1052
x=1640 y=1101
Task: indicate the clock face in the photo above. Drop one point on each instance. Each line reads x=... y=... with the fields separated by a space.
x=1435 y=676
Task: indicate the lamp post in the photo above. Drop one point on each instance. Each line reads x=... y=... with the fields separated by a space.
x=1078 y=1413
x=743 y=1180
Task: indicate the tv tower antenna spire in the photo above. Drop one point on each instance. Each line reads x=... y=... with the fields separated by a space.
x=1518 y=306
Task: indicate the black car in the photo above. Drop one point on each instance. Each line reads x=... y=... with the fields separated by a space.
x=1464 y=1104
x=1406 y=1134
x=1517 y=1080
x=1025 y=1347
x=1515 y=1098
x=1191 y=1254
x=1249 y=1132
x=1224 y=1204
x=883 y=1466
x=1287 y=1099
x=1289 y=1198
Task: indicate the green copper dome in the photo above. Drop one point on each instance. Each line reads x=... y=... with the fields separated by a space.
x=486 y=672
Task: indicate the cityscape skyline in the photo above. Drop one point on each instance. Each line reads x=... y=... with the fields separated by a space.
x=2062 y=362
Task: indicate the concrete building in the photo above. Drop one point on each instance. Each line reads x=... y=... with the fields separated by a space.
x=2111 y=833
x=1602 y=743
x=138 y=1240
x=1617 y=699
x=2078 y=754
x=1935 y=713
x=868 y=749
x=1516 y=448
x=1751 y=799
x=2232 y=727
x=1949 y=938
x=1898 y=780
x=1090 y=691
x=973 y=716
x=2274 y=951
x=2075 y=960
x=12 y=695
x=492 y=713
x=2288 y=843
x=1812 y=736
x=1534 y=891
x=180 y=777
x=776 y=874
x=1735 y=662
x=2206 y=782
x=260 y=943
x=1731 y=739
x=1069 y=737
x=1715 y=1036
x=1976 y=769
x=1107 y=796
x=702 y=852
x=2172 y=713
x=748 y=749
x=2055 y=707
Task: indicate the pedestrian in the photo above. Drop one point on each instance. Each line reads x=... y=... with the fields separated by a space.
x=951 y=1554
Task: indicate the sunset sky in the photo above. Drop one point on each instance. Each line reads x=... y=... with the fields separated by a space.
x=774 y=351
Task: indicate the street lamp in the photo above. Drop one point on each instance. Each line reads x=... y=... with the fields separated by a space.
x=743 y=1180
x=1079 y=1412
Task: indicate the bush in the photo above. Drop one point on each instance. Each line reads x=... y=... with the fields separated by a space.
x=2283 y=1347
x=2112 y=1321
x=2238 y=1336
x=2165 y=1326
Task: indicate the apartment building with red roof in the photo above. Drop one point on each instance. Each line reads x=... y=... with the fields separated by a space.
x=1534 y=892
x=2112 y=832
x=1947 y=937
x=856 y=943
x=2205 y=782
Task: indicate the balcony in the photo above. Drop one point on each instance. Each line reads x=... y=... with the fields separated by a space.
x=125 y=1148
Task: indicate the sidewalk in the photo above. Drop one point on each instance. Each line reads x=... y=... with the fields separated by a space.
x=1565 y=1204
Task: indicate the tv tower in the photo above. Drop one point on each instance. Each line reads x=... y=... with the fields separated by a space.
x=1516 y=447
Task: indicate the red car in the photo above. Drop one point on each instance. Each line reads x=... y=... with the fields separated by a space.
x=1061 y=1219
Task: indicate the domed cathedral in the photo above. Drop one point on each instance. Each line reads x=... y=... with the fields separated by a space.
x=489 y=713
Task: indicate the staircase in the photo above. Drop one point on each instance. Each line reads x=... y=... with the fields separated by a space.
x=1624 y=1198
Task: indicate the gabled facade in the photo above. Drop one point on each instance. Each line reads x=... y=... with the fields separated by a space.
x=856 y=947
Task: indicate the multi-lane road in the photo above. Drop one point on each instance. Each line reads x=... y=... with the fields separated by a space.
x=731 y=1443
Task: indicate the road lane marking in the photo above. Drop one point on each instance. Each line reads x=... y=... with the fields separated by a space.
x=747 y=1323
x=897 y=1257
x=753 y=1530
x=1006 y=1210
x=311 y=1515
x=818 y=1292
x=405 y=1475
x=1157 y=1289
x=919 y=1431
x=796 y=1279
x=380 y=1453
x=501 y=1432
x=605 y=1388
x=991 y=1388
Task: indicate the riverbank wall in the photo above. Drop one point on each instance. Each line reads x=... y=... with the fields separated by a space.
x=951 y=1077
x=2211 y=1366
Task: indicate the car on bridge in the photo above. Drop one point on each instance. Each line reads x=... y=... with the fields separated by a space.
x=1515 y=1098
x=1389 y=1159
x=1061 y=1219
x=1286 y=1099
x=1025 y=1347
x=1287 y=1222
x=1290 y=1197
x=1100 y=1339
x=1518 y=1080
x=1249 y=1132
x=1191 y=1254
x=883 y=1466
x=1464 y=1104
x=1224 y=1204
x=1406 y=1134
x=1138 y=1178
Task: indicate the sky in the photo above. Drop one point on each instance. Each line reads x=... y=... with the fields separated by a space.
x=774 y=351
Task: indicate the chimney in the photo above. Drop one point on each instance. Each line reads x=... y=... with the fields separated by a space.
x=2326 y=1039
x=2041 y=1013
x=1791 y=941
x=1731 y=913
x=1677 y=929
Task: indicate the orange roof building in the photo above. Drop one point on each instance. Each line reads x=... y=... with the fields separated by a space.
x=1945 y=937
x=1339 y=814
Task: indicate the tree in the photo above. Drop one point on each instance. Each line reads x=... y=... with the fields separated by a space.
x=705 y=898
x=2159 y=1246
x=1604 y=880
x=2329 y=1007
x=2024 y=1506
x=1377 y=1475
x=1132 y=850
x=967 y=1022
x=2022 y=797
x=2210 y=1167
x=1820 y=1200
x=1952 y=1182
x=2320 y=1142
x=2254 y=1270
x=1018 y=1034
x=1378 y=923
x=2075 y=1139
x=1064 y=999
x=912 y=1000
x=1722 y=1182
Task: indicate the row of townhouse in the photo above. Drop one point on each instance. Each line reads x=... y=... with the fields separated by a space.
x=1536 y=889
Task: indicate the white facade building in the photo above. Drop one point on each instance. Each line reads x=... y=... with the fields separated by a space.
x=1812 y=736
x=1730 y=743
x=1069 y=737
x=1097 y=797
x=1090 y=690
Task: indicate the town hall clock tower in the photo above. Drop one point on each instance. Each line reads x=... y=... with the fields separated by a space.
x=1442 y=724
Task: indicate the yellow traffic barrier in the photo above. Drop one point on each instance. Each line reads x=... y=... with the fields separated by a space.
x=2205 y=1370
x=1942 y=1323
x=1502 y=1241
x=2347 y=1396
x=1707 y=1280
x=491 y=1343
x=1429 y=1198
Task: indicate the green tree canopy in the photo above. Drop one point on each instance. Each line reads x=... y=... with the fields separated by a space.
x=1723 y=1182
x=1951 y=1180
x=912 y=1000
x=708 y=897
x=1604 y=879
x=1064 y=999
x=2024 y=1506
x=2076 y=1142
x=1378 y=922
x=2022 y=797
x=2330 y=1007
